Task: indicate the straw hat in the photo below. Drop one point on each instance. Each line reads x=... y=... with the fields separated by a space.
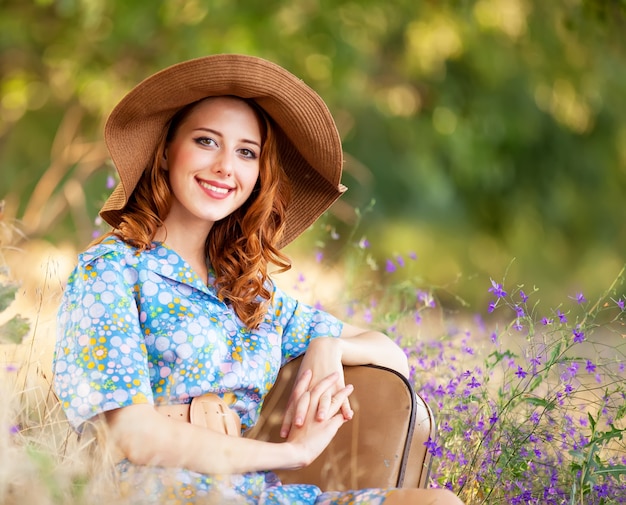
x=308 y=142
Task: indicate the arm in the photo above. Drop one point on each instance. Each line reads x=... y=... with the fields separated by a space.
x=364 y=347
x=326 y=355
x=146 y=437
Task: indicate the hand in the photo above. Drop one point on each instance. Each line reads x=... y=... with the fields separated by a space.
x=322 y=359
x=313 y=435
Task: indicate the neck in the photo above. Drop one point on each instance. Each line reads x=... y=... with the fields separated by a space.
x=190 y=246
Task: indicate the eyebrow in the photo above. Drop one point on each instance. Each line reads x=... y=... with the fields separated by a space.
x=215 y=132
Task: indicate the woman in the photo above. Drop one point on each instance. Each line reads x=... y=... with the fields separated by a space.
x=222 y=161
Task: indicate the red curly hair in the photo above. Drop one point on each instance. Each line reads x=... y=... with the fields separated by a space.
x=240 y=246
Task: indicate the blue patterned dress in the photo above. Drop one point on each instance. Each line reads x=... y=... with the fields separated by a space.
x=144 y=328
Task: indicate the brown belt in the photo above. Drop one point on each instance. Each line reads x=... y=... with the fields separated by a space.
x=209 y=411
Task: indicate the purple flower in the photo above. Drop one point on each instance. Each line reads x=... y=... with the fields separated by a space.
x=435 y=449
x=590 y=367
x=11 y=368
x=400 y=261
x=319 y=256
x=519 y=311
x=367 y=316
x=494 y=418
x=520 y=372
x=413 y=255
x=579 y=335
x=546 y=321
x=497 y=289
x=14 y=429
x=534 y=417
x=318 y=305
x=426 y=298
x=523 y=296
x=518 y=325
x=580 y=298
x=573 y=369
x=561 y=316
x=620 y=304
x=390 y=267
x=364 y=243
x=110 y=182
x=473 y=383
x=601 y=490
x=491 y=307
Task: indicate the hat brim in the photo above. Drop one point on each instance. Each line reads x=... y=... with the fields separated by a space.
x=308 y=142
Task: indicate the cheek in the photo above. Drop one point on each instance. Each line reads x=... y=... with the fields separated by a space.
x=179 y=158
x=251 y=179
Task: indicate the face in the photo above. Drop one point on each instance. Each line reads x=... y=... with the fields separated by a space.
x=213 y=163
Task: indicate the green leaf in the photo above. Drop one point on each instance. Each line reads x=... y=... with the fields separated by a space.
x=14 y=330
x=613 y=469
x=592 y=421
x=7 y=295
x=540 y=402
x=499 y=356
x=608 y=435
x=535 y=383
x=554 y=355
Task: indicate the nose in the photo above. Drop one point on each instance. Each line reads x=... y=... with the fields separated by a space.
x=224 y=163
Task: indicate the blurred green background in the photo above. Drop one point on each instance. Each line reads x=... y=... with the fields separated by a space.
x=490 y=133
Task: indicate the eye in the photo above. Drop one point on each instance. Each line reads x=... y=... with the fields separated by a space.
x=248 y=153
x=205 y=141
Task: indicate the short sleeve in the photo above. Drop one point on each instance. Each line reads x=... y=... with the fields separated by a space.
x=100 y=359
x=301 y=324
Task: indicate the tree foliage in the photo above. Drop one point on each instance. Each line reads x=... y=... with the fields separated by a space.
x=484 y=129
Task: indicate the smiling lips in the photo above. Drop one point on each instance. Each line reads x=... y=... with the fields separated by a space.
x=212 y=188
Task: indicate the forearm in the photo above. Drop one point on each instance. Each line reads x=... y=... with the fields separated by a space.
x=146 y=437
x=360 y=347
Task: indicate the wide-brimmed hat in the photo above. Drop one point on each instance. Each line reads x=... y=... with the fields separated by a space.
x=308 y=142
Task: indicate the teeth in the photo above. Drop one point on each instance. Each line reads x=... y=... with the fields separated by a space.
x=210 y=187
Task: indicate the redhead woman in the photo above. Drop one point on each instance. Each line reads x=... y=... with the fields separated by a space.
x=173 y=315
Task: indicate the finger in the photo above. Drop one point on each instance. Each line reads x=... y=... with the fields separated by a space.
x=302 y=383
x=336 y=422
x=324 y=405
x=302 y=407
x=346 y=409
x=330 y=405
x=327 y=383
x=341 y=397
x=300 y=387
x=339 y=400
